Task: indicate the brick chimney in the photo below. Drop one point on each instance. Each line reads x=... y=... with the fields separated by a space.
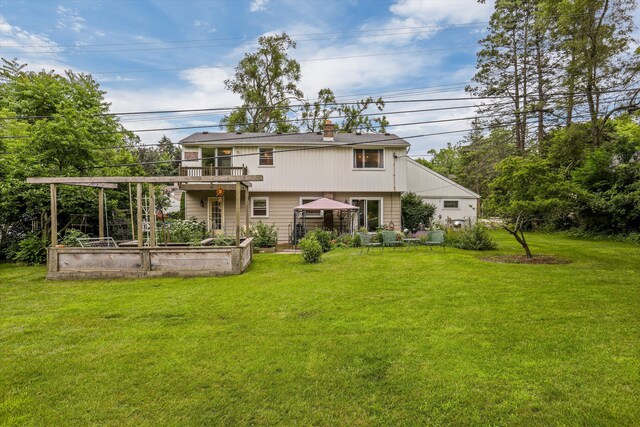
x=328 y=131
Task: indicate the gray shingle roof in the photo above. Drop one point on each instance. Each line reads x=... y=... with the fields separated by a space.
x=226 y=138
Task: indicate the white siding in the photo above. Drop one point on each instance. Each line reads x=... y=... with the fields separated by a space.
x=323 y=169
x=467 y=208
x=435 y=188
x=281 y=206
x=191 y=163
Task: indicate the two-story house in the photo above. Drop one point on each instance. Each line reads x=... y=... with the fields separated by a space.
x=370 y=171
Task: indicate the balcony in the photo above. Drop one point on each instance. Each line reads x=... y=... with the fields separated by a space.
x=212 y=170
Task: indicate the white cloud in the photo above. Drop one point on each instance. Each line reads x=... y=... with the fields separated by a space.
x=447 y=12
x=204 y=88
x=200 y=23
x=413 y=20
x=258 y=5
x=37 y=50
x=111 y=78
x=99 y=33
x=71 y=19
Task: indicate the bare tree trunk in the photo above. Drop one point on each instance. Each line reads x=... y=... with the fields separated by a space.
x=541 y=100
x=516 y=78
x=571 y=89
x=525 y=78
x=519 y=235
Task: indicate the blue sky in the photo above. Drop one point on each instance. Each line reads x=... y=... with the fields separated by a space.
x=151 y=55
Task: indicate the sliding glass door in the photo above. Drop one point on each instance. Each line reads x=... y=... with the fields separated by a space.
x=370 y=213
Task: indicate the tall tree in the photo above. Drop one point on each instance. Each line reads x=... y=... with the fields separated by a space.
x=55 y=125
x=595 y=37
x=503 y=66
x=267 y=81
x=349 y=117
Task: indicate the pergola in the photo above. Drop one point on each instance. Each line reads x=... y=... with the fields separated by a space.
x=323 y=204
x=111 y=182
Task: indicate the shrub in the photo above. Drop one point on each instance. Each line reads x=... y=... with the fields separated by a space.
x=415 y=211
x=633 y=238
x=356 y=242
x=71 y=236
x=264 y=235
x=474 y=238
x=311 y=249
x=323 y=237
x=345 y=239
x=32 y=250
x=223 y=240
x=188 y=230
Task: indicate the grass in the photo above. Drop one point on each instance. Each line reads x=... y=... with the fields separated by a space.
x=406 y=337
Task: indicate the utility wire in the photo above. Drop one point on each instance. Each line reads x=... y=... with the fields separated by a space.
x=259 y=107
x=295 y=120
x=319 y=146
x=256 y=36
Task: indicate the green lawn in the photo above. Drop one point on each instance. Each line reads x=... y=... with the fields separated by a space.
x=412 y=338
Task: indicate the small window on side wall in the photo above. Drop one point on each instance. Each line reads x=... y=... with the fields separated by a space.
x=451 y=204
x=265 y=157
x=260 y=207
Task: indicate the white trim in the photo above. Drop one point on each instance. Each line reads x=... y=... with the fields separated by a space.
x=273 y=157
x=353 y=159
x=266 y=199
x=311 y=214
x=217 y=156
x=381 y=199
x=444 y=178
x=209 y=199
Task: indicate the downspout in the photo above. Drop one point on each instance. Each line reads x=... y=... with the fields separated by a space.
x=395 y=158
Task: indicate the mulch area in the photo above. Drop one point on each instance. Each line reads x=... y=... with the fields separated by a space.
x=522 y=259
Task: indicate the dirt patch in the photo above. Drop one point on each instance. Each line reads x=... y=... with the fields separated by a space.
x=522 y=259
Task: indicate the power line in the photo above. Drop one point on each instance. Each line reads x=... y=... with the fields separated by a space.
x=399 y=30
x=248 y=137
x=436 y=26
x=294 y=120
x=259 y=107
x=493 y=126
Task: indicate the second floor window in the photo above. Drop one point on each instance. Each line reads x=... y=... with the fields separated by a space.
x=266 y=156
x=368 y=159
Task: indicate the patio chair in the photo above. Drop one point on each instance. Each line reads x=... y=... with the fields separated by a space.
x=390 y=238
x=365 y=241
x=435 y=238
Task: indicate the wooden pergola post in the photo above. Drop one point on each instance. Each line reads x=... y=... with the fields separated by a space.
x=101 y=213
x=152 y=215
x=238 y=196
x=139 y=206
x=54 y=216
x=246 y=207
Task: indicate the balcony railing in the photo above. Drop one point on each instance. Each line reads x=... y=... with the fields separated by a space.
x=212 y=170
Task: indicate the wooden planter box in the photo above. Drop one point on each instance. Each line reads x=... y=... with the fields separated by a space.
x=186 y=261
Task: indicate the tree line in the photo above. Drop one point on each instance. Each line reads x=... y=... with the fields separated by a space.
x=557 y=144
